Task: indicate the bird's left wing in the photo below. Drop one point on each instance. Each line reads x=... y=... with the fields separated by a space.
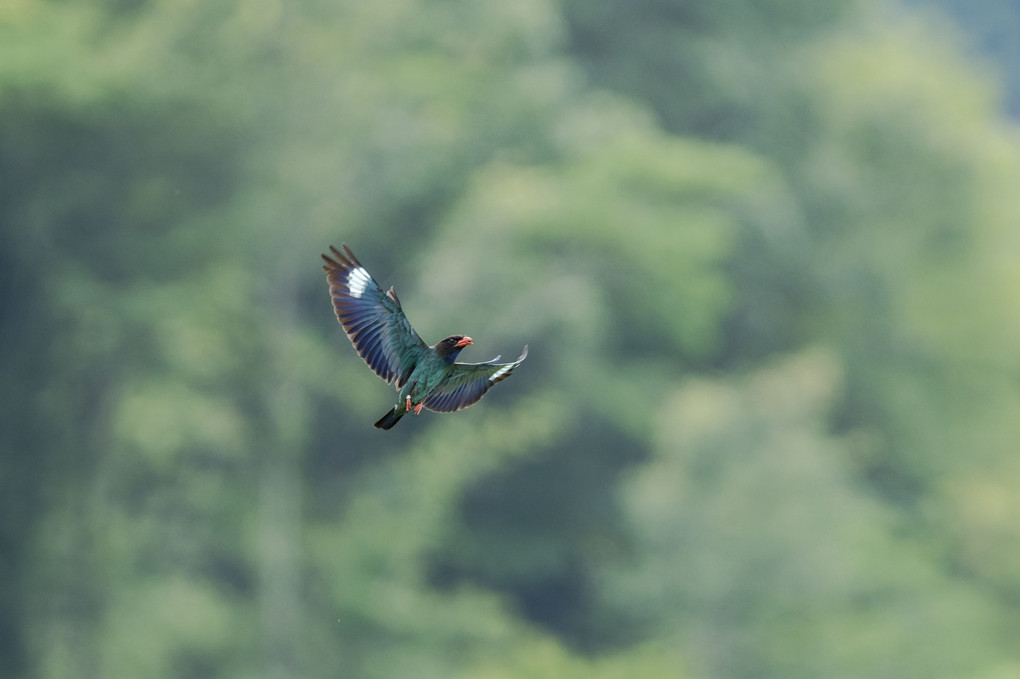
x=372 y=319
x=468 y=382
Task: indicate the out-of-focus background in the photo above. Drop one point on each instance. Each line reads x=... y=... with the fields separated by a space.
x=766 y=254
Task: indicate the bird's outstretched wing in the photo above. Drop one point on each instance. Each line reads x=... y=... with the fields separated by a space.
x=372 y=319
x=468 y=382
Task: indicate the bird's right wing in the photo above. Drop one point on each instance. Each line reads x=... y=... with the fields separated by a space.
x=468 y=383
x=372 y=319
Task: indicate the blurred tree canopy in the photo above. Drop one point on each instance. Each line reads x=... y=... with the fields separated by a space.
x=991 y=35
x=764 y=253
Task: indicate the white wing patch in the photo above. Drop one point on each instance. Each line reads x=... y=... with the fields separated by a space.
x=357 y=281
x=499 y=373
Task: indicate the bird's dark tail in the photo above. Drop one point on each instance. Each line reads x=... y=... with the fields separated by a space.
x=391 y=418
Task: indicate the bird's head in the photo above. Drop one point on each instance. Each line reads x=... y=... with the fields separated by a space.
x=451 y=346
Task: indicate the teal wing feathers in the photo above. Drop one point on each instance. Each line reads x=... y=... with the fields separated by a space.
x=372 y=319
x=468 y=382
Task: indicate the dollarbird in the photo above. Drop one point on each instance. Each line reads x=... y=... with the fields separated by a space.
x=424 y=376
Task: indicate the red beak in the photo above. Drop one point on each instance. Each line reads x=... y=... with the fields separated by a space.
x=464 y=341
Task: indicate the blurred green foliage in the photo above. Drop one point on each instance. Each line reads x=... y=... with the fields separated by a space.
x=765 y=255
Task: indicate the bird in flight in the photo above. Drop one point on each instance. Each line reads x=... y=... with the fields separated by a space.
x=424 y=376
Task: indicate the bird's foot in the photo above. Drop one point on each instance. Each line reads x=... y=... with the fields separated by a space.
x=417 y=408
x=408 y=406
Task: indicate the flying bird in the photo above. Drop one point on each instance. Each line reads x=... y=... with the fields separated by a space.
x=424 y=376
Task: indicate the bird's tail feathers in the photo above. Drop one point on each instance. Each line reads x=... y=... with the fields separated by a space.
x=391 y=418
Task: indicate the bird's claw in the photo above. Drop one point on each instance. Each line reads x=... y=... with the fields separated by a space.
x=417 y=408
